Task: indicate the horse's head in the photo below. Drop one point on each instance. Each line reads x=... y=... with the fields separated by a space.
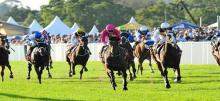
x=123 y=40
x=82 y=47
x=113 y=46
x=2 y=40
x=83 y=41
x=42 y=51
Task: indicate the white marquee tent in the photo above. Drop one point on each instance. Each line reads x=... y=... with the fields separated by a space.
x=213 y=25
x=58 y=27
x=12 y=21
x=94 y=31
x=35 y=26
x=75 y=27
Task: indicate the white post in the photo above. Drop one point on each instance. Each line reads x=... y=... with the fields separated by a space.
x=200 y=21
x=218 y=22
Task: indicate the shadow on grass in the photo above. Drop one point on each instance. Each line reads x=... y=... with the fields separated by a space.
x=211 y=76
x=199 y=82
x=33 y=98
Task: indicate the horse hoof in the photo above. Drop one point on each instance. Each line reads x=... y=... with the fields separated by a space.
x=131 y=79
x=135 y=77
x=70 y=75
x=50 y=76
x=74 y=73
x=152 y=71
x=11 y=76
x=86 y=70
x=177 y=81
x=28 y=78
x=168 y=86
x=125 y=88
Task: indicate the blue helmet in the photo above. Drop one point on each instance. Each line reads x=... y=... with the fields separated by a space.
x=37 y=35
x=217 y=33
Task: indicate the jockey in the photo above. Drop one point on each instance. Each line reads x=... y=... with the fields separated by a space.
x=74 y=41
x=145 y=36
x=34 y=40
x=109 y=31
x=163 y=34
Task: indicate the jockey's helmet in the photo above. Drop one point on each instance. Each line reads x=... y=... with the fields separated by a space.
x=110 y=27
x=165 y=25
x=218 y=33
x=143 y=30
x=80 y=32
x=37 y=35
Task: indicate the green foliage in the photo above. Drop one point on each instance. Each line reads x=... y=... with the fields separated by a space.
x=199 y=83
x=19 y=14
x=29 y=19
x=101 y=12
x=98 y=12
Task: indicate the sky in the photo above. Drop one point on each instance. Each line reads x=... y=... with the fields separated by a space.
x=33 y=4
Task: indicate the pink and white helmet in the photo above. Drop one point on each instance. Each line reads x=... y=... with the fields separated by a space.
x=110 y=27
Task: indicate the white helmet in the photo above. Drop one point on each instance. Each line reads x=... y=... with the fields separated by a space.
x=165 y=25
x=143 y=28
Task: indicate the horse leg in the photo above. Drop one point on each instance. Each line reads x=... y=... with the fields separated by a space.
x=81 y=72
x=151 y=69
x=38 y=73
x=131 y=76
x=49 y=74
x=29 y=71
x=73 y=68
x=11 y=73
x=124 y=74
x=133 y=69
x=70 y=69
x=167 y=84
x=2 y=73
x=112 y=79
x=51 y=62
x=141 y=67
x=178 y=76
x=85 y=69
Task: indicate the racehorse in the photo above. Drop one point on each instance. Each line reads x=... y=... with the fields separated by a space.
x=168 y=56
x=115 y=58
x=125 y=44
x=142 y=53
x=78 y=56
x=4 y=58
x=40 y=60
x=215 y=52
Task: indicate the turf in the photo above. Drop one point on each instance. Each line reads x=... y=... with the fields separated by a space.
x=199 y=83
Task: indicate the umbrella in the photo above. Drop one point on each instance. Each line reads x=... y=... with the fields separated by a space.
x=131 y=25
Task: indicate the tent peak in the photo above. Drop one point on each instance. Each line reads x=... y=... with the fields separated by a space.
x=12 y=21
